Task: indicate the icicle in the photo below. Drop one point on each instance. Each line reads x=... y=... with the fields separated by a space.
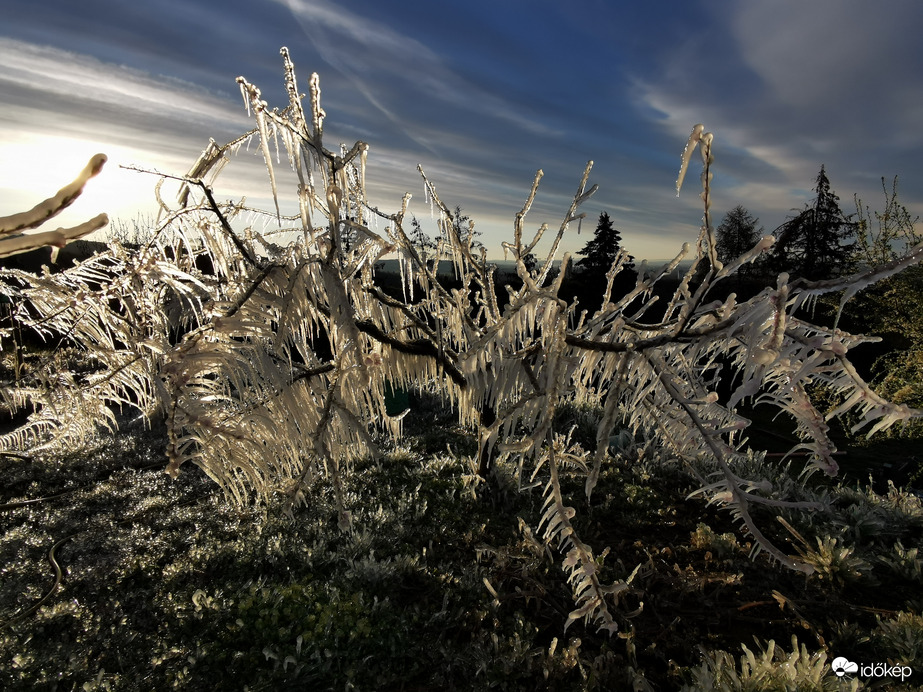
x=363 y=159
x=259 y=109
x=275 y=137
x=687 y=154
x=400 y=264
x=243 y=92
x=410 y=278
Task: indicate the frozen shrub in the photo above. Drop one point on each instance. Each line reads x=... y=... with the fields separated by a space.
x=835 y=562
x=905 y=562
x=901 y=639
x=270 y=364
x=721 y=545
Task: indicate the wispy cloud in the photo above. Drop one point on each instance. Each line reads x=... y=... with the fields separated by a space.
x=482 y=94
x=379 y=61
x=61 y=108
x=131 y=92
x=788 y=86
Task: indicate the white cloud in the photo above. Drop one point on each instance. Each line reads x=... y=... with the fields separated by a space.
x=788 y=86
x=381 y=62
x=68 y=75
x=819 y=53
x=60 y=108
x=847 y=71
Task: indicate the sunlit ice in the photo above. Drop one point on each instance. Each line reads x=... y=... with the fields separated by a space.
x=35 y=167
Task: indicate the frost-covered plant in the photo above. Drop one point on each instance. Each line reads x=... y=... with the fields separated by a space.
x=722 y=545
x=868 y=515
x=905 y=562
x=769 y=669
x=901 y=638
x=832 y=560
x=270 y=364
x=836 y=562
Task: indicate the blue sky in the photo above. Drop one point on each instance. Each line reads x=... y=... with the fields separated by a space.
x=482 y=94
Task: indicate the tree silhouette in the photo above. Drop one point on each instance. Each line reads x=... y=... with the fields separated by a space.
x=599 y=253
x=736 y=234
x=815 y=243
x=463 y=225
x=422 y=243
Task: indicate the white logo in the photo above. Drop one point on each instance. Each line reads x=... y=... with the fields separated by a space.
x=841 y=666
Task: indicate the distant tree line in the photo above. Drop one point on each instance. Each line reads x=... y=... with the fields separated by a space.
x=816 y=243
x=820 y=241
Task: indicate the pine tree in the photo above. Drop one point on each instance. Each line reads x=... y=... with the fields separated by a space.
x=599 y=253
x=815 y=243
x=464 y=227
x=421 y=242
x=737 y=233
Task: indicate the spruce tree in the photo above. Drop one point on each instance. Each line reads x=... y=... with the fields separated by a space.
x=599 y=253
x=815 y=243
x=422 y=243
x=736 y=234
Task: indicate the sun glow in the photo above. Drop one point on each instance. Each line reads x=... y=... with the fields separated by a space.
x=33 y=168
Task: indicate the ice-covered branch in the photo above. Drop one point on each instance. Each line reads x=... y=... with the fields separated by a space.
x=53 y=206
x=272 y=363
x=59 y=238
x=14 y=244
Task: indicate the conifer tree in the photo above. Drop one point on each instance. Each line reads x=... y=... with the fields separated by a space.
x=422 y=243
x=599 y=253
x=737 y=234
x=815 y=243
x=464 y=227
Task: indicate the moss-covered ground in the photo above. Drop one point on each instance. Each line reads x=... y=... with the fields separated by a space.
x=440 y=584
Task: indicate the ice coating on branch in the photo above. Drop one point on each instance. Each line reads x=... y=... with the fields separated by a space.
x=751 y=255
x=11 y=244
x=53 y=206
x=254 y=101
x=271 y=369
x=334 y=200
x=688 y=150
x=58 y=238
